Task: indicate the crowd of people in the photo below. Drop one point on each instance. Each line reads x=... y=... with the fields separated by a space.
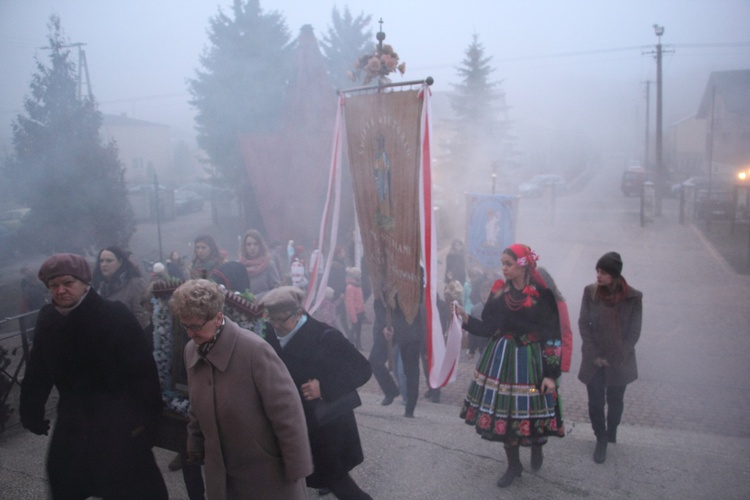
x=282 y=398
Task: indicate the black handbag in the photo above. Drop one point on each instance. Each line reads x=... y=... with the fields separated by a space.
x=324 y=412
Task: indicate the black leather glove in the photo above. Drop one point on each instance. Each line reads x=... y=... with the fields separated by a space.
x=40 y=428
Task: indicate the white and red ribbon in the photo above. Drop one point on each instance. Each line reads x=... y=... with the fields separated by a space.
x=442 y=354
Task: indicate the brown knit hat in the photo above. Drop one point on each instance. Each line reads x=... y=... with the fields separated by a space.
x=61 y=264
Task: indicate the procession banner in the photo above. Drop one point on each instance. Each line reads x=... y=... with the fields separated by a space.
x=490 y=228
x=384 y=152
x=388 y=136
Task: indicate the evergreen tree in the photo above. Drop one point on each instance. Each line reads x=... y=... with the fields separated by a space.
x=59 y=167
x=240 y=87
x=481 y=128
x=347 y=39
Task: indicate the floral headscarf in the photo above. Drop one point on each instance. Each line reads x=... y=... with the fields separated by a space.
x=525 y=256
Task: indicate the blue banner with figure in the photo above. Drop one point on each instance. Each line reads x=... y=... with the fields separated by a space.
x=490 y=228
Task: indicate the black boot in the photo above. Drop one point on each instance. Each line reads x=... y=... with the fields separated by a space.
x=600 y=452
x=612 y=434
x=537 y=458
x=514 y=467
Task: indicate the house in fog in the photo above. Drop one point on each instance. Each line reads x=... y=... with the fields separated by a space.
x=725 y=108
x=145 y=148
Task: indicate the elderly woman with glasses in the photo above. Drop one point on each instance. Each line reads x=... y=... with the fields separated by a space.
x=246 y=417
x=326 y=368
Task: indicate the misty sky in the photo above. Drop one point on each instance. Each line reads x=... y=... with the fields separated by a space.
x=558 y=60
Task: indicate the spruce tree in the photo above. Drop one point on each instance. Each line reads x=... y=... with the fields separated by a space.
x=240 y=87
x=345 y=42
x=59 y=167
x=481 y=127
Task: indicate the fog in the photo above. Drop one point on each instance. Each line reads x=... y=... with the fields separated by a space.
x=573 y=75
x=576 y=65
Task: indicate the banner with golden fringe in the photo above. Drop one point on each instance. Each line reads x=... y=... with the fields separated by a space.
x=384 y=145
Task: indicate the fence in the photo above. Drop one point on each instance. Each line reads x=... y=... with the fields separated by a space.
x=14 y=354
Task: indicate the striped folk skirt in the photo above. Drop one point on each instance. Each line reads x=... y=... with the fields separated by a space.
x=504 y=402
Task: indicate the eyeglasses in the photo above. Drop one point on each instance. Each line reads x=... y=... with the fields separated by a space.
x=195 y=328
x=279 y=321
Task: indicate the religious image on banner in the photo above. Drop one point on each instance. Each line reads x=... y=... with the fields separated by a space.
x=382 y=132
x=490 y=228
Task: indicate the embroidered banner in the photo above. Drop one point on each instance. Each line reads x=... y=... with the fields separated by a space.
x=490 y=228
x=384 y=153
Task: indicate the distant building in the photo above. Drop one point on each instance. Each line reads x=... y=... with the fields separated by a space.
x=145 y=148
x=725 y=107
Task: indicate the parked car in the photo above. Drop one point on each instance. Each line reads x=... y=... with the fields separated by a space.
x=187 y=201
x=148 y=188
x=697 y=181
x=206 y=190
x=534 y=188
x=632 y=180
x=12 y=219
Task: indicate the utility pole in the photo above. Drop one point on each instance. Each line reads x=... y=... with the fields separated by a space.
x=659 y=30
x=83 y=69
x=647 y=147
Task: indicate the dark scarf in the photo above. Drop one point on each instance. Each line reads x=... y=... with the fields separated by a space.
x=611 y=339
x=206 y=347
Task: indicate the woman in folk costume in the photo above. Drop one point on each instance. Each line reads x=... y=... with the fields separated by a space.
x=261 y=269
x=610 y=326
x=512 y=396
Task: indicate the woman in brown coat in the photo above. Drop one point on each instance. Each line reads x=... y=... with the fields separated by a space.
x=246 y=417
x=610 y=325
x=116 y=278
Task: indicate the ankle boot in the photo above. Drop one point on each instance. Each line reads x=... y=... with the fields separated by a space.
x=612 y=434
x=600 y=452
x=514 y=467
x=537 y=457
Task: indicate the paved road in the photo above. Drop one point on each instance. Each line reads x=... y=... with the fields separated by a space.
x=683 y=432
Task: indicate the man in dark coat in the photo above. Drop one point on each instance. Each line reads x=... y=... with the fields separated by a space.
x=409 y=338
x=324 y=365
x=94 y=352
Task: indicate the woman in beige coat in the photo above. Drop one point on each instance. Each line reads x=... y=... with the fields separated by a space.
x=246 y=417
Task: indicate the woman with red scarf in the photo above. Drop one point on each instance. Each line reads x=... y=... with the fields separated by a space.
x=512 y=396
x=610 y=325
x=261 y=269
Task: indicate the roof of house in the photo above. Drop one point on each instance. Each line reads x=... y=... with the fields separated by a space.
x=734 y=89
x=124 y=120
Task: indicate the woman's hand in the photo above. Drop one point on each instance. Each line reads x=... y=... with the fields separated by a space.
x=457 y=309
x=601 y=362
x=311 y=389
x=548 y=385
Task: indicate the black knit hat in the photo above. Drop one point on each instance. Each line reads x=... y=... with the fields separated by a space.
x=610 y=263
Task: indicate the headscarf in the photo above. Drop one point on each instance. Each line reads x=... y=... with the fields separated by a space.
x=526 y=257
